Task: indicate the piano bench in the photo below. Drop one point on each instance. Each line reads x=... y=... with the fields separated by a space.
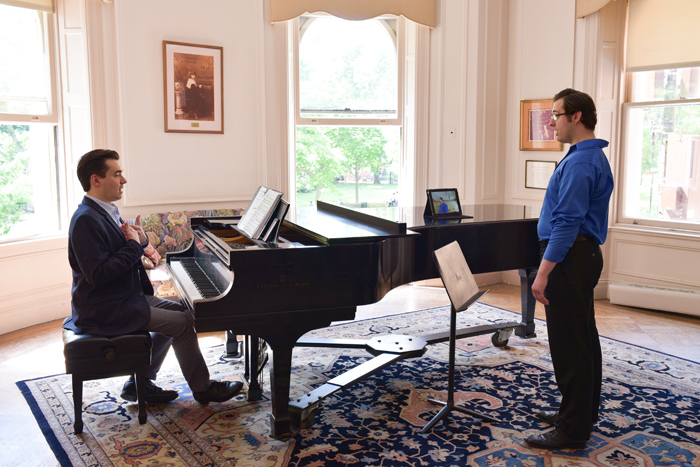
x=89 y=357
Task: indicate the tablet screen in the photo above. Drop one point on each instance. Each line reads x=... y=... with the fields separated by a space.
x=444 y=202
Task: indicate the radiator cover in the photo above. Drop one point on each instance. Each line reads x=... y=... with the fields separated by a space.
x=655 y=298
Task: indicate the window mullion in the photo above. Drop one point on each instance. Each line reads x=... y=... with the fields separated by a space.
x=347 y=122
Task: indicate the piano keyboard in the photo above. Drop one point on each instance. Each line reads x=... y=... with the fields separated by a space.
x=199 y=285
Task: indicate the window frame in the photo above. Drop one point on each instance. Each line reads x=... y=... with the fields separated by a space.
x=52 y=120
x=50 y=43
x=293 y=112
x=321 y=121
x=622 y=217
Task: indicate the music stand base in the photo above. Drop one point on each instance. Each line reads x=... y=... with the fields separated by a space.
x=448 y=406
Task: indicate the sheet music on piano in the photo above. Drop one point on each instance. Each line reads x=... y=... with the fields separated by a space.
x=259 y=212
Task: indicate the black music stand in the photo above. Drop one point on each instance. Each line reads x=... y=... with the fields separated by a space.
x=463 y=292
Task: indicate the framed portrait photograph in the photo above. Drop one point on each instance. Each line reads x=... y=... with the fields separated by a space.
x=193 y=86
x=535 y=132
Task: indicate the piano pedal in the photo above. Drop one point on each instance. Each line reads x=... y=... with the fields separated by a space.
x=263 y=358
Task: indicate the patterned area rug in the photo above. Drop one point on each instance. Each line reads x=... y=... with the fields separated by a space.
x=649 y=414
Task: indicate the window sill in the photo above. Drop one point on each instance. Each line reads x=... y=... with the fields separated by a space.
x=33 y=246
x=666 y=232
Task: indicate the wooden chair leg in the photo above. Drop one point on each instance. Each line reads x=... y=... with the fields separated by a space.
x=140 y=379
x=78 y=403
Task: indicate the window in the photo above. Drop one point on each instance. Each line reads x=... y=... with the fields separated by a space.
x=661 y=179
x=29 y=191
x=348 y=111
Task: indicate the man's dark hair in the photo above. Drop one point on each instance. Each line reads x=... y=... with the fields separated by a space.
x=577 y=101
x=94 y=162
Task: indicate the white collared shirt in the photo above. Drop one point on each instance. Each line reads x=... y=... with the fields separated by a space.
x=109 y=208
x=113 y=212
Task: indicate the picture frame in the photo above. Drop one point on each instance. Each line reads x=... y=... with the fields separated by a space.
x=538 y=173
x=193 y=87
x=535 y=132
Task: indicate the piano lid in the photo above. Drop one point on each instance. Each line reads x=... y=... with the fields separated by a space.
x=480 y=213
x=331 y=224
x=413 y=218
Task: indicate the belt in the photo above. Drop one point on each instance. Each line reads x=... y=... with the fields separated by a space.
x=579 y=238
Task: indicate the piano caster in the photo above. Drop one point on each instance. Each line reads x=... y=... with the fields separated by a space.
x=308 y=422
x=500 y=337
x=301 y=418
x=234 y=347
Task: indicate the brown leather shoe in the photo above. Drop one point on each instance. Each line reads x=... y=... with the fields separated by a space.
x=554 y=439
x=219 y=391
x=548 y=416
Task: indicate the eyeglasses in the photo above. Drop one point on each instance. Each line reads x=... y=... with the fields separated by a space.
x=556 y=116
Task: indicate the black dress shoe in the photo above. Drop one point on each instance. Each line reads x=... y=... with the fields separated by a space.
x=554 y=439
x=219 y=391
x=154 y=394
x=548 y=416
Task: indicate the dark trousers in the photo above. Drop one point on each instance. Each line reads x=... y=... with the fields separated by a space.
x=171 y=323
x=573 y=338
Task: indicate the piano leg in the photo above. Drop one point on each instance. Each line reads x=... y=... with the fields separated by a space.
x=280 y=382
x=527 y=300
x=282 y=344
x=255 y=392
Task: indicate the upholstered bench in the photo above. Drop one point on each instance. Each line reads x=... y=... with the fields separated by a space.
x=90 y=357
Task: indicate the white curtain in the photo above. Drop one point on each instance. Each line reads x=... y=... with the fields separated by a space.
x=586 y=7
x=419 y=11
x=42 y=5
x=663 y=34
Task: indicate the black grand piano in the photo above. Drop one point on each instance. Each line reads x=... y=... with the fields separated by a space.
x=328 y=260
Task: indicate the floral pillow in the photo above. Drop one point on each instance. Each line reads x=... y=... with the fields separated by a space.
x=170 y=231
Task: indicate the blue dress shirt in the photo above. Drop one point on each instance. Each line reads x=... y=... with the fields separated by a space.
x=577 y=199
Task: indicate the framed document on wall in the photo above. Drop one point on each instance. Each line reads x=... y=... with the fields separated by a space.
x=538 y=173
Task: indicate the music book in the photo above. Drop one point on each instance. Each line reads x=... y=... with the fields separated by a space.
x=273 y=226
x=259 y=212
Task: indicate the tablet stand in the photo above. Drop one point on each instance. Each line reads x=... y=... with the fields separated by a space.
x=463 y=292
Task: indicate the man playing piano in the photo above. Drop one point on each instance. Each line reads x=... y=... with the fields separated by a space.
x=573 y=224
x=111 y=293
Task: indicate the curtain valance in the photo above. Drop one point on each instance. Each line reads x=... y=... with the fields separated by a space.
x=586 y=7
x=42 y=5
x=419 y=11
x=663 y=34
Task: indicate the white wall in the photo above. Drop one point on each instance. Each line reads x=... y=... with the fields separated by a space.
x=485 y=57
x=473 y=60
x=167 y=170
x=541 y=64
x=468 y=69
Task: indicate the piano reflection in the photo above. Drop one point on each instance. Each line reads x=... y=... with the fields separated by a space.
x=327 y=261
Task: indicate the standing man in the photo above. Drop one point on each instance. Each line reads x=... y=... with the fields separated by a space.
x=573 y=224
x=442 y=209
x=111 y=293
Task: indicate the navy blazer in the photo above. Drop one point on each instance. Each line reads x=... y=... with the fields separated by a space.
x=109 y=280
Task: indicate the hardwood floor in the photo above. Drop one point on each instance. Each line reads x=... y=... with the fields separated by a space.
x=38 y=351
